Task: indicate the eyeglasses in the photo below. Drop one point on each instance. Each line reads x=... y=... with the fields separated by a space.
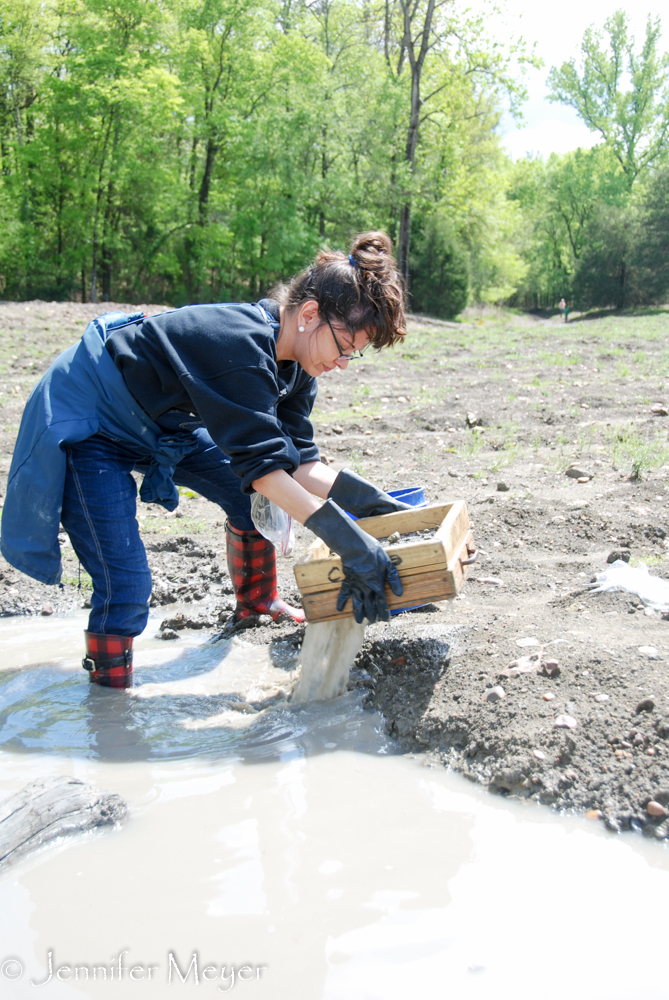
x=355 y=355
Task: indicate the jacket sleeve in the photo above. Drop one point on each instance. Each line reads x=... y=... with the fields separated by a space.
x=239 y=410
x=294 y=412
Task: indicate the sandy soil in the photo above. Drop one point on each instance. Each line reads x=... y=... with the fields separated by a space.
x=494 y=412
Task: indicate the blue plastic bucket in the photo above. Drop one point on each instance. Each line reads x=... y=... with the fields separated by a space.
x=414 y=495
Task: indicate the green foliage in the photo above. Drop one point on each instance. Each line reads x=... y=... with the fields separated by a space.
x=595 y=221
x=192 y=150
x=652 y=256
x=559 y=199
x=620 y=92
x=439 y=271
x=607 y=274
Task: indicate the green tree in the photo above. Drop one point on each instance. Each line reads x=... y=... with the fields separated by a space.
x=653 y=250
x=196 y=149
x=608 y=272
x=450 y=74
x=439 y=268
x=621 y=92
x=559 y=199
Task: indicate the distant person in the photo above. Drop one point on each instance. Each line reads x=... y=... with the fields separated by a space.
x=562 y=306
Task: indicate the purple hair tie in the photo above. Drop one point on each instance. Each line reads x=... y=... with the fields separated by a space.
x=351 y=260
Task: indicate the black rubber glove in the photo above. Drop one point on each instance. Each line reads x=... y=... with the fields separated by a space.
x=367 y=568
x=361 y=498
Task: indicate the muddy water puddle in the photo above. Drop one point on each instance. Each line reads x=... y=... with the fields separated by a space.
x=280 y=851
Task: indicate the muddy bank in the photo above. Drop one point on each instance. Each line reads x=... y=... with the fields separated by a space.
x=496 y=415
x=590 y=732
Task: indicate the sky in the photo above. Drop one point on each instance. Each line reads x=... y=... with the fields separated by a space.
x=558 y=28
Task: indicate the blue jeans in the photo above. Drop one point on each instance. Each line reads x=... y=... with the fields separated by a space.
x=99 y=515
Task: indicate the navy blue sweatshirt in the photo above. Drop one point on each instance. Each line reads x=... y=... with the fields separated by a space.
x=219 y=362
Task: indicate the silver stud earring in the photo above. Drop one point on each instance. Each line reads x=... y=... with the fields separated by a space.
x=300 y=329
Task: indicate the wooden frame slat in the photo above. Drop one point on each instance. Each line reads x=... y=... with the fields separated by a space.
x=430 y=570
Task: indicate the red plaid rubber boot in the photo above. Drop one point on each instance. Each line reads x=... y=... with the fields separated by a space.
x=108 y=659
x=252 y=569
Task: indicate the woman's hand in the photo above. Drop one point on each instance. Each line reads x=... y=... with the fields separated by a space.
x=367 y=567
x=361 y=498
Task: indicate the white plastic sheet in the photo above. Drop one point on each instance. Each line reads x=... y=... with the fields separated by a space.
x=652 y=590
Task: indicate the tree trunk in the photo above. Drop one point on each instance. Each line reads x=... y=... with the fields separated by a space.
x=53 y=807
x=403 y=242
x=205 y=186
x=416 y=62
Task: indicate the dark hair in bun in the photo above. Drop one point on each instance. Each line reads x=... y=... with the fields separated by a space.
x=363 y=290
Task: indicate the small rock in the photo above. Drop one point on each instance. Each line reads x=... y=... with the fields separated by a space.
x=453 y=473
x=47 y=609
x=661 y=831
x=527 y=641
x=495 y=694
x=338 y=430
x=168 y=633
x=176 y=622
x=551 y=668
x=646 y=705
x=575 y=472
x=539 y=754
x=565 y=722
x=395 y=538
x=583 y=479
x=548 y=696
x=473 y=420
x=502 y=488
x=600 y=697
x=655 y=809
x=523 y=665
x=650 y=651
x=368 y=452
x=617 y=554
x=593 y=814
x=402 y=399
x=659 y=410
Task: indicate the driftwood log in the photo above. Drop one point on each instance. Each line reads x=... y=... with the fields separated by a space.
x=53 y=807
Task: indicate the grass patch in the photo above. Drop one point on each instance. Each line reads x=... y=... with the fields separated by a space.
x=174 y=526
x=633 y=451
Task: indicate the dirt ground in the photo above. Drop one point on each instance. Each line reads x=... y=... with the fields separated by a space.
x=493 y=410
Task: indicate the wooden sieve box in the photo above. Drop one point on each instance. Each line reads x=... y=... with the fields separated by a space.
x=431 y=569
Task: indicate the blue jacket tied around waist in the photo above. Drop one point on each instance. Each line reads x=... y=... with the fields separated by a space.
x=81 y=393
